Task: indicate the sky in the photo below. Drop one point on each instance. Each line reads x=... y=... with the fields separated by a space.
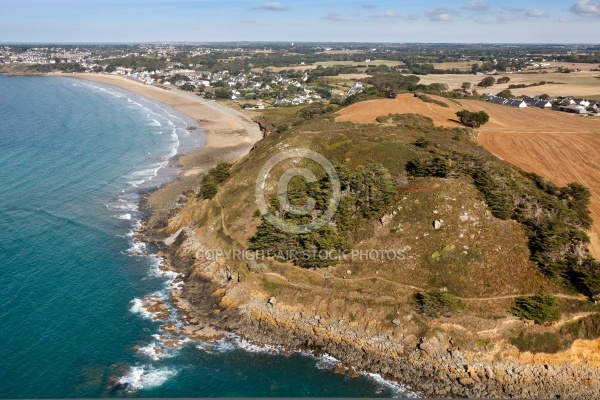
x=456 y=21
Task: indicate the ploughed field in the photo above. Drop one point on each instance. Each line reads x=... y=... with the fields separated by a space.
x=562 y=148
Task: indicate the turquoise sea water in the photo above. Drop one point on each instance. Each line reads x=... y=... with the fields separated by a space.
x=74 y=157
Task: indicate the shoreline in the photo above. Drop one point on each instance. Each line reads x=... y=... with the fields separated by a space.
x=229 y=135
x=227 y=139
x=432 y=366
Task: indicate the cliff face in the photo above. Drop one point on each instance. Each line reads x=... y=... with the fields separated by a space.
x=215 y=301
x=363 y=310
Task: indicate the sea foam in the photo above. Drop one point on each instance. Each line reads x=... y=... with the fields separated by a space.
x=146 y=377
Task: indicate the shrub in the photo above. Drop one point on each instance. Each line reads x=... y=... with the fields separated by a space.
x=220 y=172
x=209 y=189
x=211 y=181
x=437 y=303
x=422 y=142
x=428 y=99
x=473 y=119
x=366 y=192
x=540 y=308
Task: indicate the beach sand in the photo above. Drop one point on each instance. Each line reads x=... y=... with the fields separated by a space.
x=230 y=135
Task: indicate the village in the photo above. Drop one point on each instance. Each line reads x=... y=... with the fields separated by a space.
x=567 y=104
x=253 y=88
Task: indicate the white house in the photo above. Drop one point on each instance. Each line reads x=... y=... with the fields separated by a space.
x=572 y=109
x=542 y=104
x=520 y=103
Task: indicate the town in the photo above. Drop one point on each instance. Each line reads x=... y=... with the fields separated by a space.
x=256 y=76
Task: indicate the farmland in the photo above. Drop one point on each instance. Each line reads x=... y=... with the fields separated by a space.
x=562 y=148
x=579 y=84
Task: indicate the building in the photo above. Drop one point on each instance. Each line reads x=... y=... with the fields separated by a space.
x=572 y=109
x=519 y=103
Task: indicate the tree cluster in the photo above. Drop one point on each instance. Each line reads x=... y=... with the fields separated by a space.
x=366 y=192
x=212 y=180
x=473 y=119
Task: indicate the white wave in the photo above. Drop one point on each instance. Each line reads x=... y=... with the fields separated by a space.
x=154 y=351
x=397 y=389
x=138 y=308
x=232 y=342
x=137 y=248
x=164 y=346
x=136 y=183
x=123 y=205
x=155 y=122
x=125 y=216
x=146 y=377
x=327 y=362
x=149 y=172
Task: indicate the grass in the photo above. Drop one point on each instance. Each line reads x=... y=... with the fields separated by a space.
x=556 y=340
x=496 y=261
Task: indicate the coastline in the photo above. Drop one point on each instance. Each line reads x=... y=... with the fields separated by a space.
x=434 y=366
x=229 y=136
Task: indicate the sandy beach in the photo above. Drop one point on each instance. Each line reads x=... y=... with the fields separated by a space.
x=230 y=135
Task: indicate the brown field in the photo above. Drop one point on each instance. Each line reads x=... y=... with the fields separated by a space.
x=578 y=84
x=325 y=64
x=352 y=77
x=368 y=111
x=553 y=65
x=560 y=147
x=342 y=52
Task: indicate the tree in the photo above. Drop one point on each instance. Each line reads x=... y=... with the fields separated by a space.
x=487 y=82
x=473 y=119
x=541 y=308
x=209 y=189
x=438 y=303
x=544 y=96
x=504 y=79
x=223 y=94
x=506 y=94
x=466 y=85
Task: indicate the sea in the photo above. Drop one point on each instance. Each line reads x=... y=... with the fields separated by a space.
x=75 y=158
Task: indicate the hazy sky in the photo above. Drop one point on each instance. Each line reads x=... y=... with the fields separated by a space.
x=531 y=21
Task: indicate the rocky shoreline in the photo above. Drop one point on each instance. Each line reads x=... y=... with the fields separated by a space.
x=432 y=367
x=213 y=302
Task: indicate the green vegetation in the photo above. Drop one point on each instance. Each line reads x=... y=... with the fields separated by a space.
x=504 y=79
x=212 y=180
x=540 y=309
x=473 y=119
x=506 y=94
x=554 y=341
x=366 y=192
x=428 y=99
x=487 y=82
x=422 y=142
x=438 y=303
x=555 y=219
